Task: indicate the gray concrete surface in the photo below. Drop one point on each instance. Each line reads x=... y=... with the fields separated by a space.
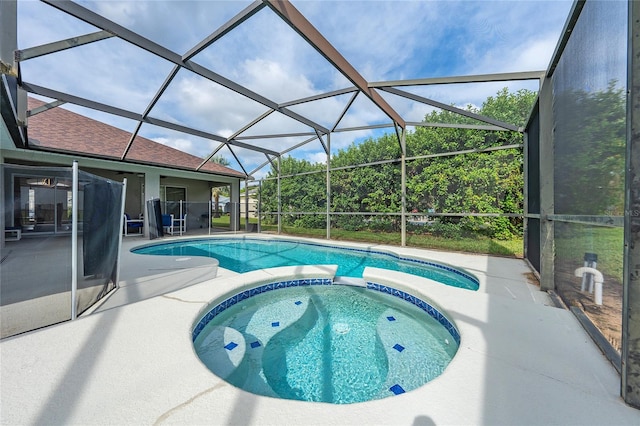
x=520 y=362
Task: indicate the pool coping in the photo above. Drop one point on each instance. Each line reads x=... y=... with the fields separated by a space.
x=246 y=291
x=381 y=250
x=520 y=361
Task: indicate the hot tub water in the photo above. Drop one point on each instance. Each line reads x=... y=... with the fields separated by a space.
x=328 y=343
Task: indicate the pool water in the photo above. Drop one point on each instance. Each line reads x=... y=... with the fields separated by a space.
x=328 y=343
x=244 y=255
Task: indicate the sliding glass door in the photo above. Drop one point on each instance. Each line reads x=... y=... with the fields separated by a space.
x=42 y=204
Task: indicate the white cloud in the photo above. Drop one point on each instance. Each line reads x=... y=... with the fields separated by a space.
x=192 y=100
x=378 y=38
x=178 y=25
x=34 y=24
x=536 y=55
x=273 y=80
x=515 y=36
x=126 y=13
x=317 y=157
x=384 y=40
x=194 y=145
x=402 y=40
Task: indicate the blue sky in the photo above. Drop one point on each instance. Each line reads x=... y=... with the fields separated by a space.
x=383 y=40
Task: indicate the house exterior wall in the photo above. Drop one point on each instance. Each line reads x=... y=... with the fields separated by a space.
x=144 y=182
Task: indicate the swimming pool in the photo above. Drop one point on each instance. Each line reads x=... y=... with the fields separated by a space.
x=313 y=341
x=249 y=254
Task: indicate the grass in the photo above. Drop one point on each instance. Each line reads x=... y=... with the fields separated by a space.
x=223 y=221
x=573 y=241
x=481 y=245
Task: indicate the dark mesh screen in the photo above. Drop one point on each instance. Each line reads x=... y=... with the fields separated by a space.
x=36 y=271
x=589 y=110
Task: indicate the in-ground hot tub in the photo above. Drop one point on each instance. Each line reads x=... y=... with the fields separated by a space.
x=311 y=340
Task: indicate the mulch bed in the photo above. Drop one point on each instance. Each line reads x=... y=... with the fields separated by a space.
x=606 y=317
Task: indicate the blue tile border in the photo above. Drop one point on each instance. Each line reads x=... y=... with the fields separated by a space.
x=246 y=294
x=407 y=297
x=435 y=265
x=405 y=259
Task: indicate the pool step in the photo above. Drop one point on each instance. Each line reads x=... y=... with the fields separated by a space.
x=398 y=357
x=268 y=320
x=353 y=281
x=222 y=349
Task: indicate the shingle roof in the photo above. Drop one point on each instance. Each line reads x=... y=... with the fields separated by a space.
x=61 y=130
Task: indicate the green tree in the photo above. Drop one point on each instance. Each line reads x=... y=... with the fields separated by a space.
x=589 y=143
x=372 y=188
x=477 y=182
x=218 y=159
x=217 y=191
x=301 y=190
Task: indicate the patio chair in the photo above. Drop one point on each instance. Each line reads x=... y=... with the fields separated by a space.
x=167 y=223
x=181 y=224
x=132 y=224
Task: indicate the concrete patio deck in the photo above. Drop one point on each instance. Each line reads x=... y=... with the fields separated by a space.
x=131 y=361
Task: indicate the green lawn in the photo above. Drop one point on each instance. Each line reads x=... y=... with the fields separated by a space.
x=223 y=221
x=574 y=240
x=510 y=248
